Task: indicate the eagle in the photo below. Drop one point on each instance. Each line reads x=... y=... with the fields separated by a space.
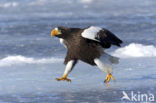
x=88 y=45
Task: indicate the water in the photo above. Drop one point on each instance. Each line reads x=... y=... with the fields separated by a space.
x=30 y=59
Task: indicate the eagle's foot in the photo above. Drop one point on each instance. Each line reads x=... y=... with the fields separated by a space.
x=108 y=78
x=63 y=78
x=59 y=79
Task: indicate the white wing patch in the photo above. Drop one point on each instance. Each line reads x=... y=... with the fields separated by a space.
x=91 y=32
x=62 y=42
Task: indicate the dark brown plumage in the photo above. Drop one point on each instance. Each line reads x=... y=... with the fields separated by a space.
x=80 y=48
x=87 y=45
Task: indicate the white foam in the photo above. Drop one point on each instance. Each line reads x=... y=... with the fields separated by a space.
x=38 y=2
x=86 y=1
x=17 y=60
x=136 y=50
x=9 y=4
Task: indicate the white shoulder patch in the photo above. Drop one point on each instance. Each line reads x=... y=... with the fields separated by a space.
x=62 y=42
x=91 y=32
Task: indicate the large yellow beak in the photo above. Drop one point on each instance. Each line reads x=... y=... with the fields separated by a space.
x=55 y=32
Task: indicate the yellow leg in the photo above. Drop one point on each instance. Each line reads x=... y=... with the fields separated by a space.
x=108 y=78
x=64 y=77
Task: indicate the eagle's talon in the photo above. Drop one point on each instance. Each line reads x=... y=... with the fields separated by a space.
x=63 y=78
x=108 y=78
x=58 y=79
x=68 y=80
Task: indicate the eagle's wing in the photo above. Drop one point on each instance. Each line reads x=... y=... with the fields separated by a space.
x=101 y=36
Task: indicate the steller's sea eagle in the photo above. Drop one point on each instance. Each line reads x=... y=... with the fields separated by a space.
x=87 y=45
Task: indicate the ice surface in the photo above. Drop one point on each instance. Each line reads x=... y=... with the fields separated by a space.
x=30 y=59
x=36 y=82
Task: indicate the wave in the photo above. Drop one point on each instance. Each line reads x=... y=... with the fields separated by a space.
x=135 y=50
x=17 y=60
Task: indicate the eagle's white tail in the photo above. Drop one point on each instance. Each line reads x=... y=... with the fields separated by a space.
x=114 y=60
x=105 y=62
